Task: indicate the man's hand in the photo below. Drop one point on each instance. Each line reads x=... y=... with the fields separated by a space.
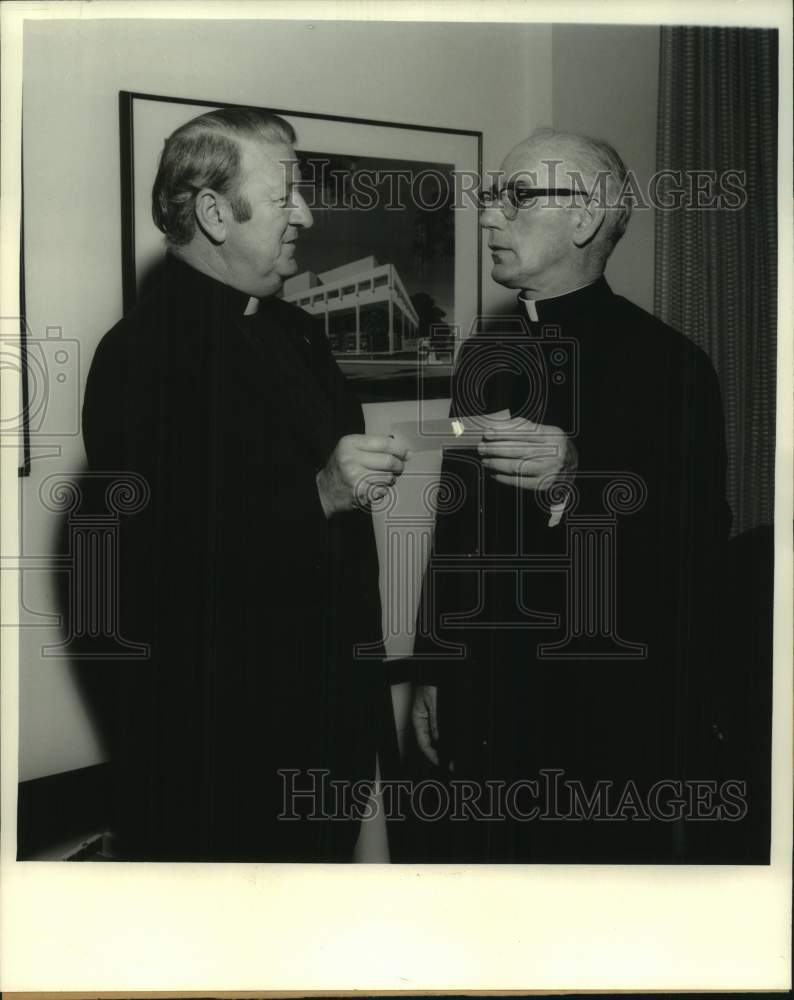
x=360 y=469
x=528 y=456
x=424 y=716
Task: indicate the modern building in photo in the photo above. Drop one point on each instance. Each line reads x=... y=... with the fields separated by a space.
x=364 y=304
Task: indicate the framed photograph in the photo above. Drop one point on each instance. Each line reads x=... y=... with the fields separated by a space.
x=391 y=264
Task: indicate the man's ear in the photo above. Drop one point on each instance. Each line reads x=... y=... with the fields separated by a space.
x=589 y=219
x=210 y=211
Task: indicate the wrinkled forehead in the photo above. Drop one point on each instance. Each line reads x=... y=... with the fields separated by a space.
x=541 y=164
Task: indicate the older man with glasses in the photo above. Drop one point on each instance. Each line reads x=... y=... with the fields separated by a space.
x=565 y=618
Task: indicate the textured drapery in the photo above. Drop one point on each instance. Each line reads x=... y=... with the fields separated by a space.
x=716 y=269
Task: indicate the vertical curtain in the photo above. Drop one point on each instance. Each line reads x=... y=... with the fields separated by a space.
x=716 y=270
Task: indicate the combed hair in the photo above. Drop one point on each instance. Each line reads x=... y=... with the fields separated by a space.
x=597 y=161
x=205 y=153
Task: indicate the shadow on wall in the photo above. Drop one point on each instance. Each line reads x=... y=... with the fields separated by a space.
x=88 y=587
x=150 y=278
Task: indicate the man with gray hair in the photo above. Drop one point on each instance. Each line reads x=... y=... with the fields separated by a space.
x=252 y=573
x=564 y=624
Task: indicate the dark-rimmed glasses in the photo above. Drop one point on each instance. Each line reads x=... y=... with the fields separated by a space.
x=509 y=199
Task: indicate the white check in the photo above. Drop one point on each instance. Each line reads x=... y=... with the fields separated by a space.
x=451 y=432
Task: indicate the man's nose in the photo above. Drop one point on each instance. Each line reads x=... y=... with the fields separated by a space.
x=301 y=213
x=491 y=218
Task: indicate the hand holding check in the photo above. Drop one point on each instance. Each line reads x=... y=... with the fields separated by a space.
x=527 y=455
x=360 y=469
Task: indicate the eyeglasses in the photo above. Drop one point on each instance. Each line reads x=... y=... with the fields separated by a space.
x=510 y=199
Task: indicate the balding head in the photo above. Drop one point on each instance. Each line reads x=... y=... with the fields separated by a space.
x=592 y=166
x=559 y=215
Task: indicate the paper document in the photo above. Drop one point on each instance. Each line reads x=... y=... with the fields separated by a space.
x=451 y=432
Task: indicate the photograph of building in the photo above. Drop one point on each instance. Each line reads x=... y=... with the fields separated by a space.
x=365 y=307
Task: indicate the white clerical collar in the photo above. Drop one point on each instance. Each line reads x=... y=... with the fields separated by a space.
x=531 y=308
x=530 y=304
x=252 y=307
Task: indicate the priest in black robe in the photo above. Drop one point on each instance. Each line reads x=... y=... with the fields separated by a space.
x=251 y=572
x=566 y=625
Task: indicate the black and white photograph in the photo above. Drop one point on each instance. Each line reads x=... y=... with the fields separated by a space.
x=397 y=463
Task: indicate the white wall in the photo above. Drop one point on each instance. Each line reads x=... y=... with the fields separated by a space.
x=493 y=78
x=605 y=83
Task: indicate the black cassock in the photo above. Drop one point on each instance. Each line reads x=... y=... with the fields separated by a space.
x=633 y=562
x=250 y=600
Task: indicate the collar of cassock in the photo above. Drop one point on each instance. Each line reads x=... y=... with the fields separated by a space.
x=204 y=289
x=563 y=307
x=211 y=304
